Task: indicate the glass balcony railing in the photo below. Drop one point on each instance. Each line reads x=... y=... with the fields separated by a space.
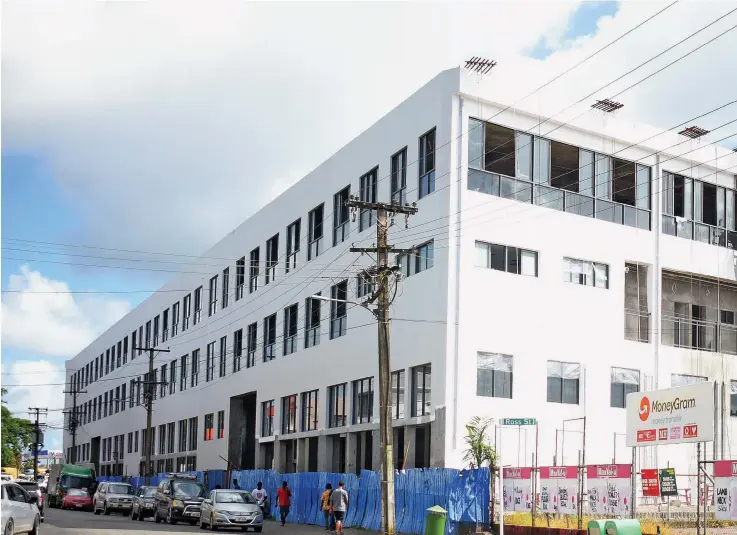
x=699 y=334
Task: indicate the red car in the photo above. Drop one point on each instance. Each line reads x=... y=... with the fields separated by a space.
x=77 y=499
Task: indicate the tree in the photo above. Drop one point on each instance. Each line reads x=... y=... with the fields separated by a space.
x=479 y=451
x=17 y=436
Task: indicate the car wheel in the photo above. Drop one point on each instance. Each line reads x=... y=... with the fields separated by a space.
x=36 y=526
x=104 y=509
x=9 y=528
x=170 y=517
x=157 y=518
x=95 y=509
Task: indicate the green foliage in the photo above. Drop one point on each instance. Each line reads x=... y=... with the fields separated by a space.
x=479 y=451
x=17 y=436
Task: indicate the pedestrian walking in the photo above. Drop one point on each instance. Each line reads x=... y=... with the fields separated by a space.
x=284 y=496
x=339 y=506
x=325 y=503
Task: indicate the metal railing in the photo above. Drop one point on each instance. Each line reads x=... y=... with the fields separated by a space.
x=636 y=325
x=678 y=331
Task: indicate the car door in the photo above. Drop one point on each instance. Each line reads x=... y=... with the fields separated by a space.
x=19 y=507
x=5 y=510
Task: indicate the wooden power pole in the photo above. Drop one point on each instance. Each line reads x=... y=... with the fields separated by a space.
x=148 y=399
x=74 y=420
x=384 y=272
x=37 y=440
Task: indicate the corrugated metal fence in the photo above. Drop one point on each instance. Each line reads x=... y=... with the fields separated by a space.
x=463 y=493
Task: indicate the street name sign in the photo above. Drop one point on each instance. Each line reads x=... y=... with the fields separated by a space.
x=519 y=421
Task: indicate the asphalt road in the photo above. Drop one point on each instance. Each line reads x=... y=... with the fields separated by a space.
x=59 y=522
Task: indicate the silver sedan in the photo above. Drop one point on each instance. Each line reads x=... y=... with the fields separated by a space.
x=223 y=508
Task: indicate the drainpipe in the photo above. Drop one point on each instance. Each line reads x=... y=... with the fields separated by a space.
x=456 y=312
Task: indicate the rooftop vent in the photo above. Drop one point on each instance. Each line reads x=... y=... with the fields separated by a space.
x=694 y=132
x=607 y=105
x=480 y=65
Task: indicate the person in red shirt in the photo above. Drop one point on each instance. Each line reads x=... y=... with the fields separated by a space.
x=284 y=495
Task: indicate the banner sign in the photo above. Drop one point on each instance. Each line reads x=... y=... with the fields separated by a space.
x=517 y=489
x=668 y=486
x=610 y=489
x=671 y=416
x=558 y=489
x=650 y=482
x=725 y=490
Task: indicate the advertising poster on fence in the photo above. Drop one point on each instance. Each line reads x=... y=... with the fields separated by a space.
x=558 y=489
x=725 y=489
x=610 y=489
x=650 y=482
x=517 y=489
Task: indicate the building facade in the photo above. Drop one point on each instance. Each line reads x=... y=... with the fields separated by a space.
x=558 y=268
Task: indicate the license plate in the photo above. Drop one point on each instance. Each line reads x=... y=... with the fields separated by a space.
x=193 y=514
x=79 y=505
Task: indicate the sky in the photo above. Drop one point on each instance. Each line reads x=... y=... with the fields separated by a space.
x=110 y=107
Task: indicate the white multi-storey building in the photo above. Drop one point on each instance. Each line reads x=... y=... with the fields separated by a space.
x=555 y=273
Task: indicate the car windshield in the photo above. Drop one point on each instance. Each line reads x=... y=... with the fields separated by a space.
x=120 y=489
x=189 y=489
x=150 y=492
x=75 y=482
x=234 y=497
x=28 y=485
x=77 y=492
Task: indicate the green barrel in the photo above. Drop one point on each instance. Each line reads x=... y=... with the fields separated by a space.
x=596 y=527
x=435 y=523
x=625 y=526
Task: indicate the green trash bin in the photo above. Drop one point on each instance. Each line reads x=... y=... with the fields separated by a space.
x=596 y=527
x=625 y=526
x=436 y=518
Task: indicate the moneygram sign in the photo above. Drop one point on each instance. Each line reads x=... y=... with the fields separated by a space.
x=671 y=416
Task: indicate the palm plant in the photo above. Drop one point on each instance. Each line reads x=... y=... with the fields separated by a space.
x=479 y=451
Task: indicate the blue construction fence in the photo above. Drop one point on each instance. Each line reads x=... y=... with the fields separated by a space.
x=465 y=494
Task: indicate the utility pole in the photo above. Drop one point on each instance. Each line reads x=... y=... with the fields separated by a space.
x=384 y=273
x=148 y=401
x=73 y=420
x=37 y=442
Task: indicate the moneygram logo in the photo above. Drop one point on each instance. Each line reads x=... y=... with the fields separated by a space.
x=644 y=408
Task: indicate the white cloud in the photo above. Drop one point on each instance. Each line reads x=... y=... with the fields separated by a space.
x=215 y=110
x=56 y=324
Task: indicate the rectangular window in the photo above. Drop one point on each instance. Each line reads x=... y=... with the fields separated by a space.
x=685 y=380
x=210 y=362
x=240 y=277
x=292 y=245
x=475 y=144
x=174 y=319
x=524 y=156
x=267 y=418
x=309 y=411
x=314 y=247
x=164 y=381
x=494 y=375
x=165 y=326
x=130 y=442
x=427 y=164
x=623 y=382
x=289 y=414
x=341 y=215
x=290 y=329
x=156 y=332
x=197 y=305
x=367 y=193
x=312 y=321
x=117 y=399
x=270 y=338
x=504 y=258
x=140 y=340
x=272 y=258
x=398 y=394
x=226 y=286
x=213 y=306
x=182 y=435
x=363 y=400
x=499 y=149
x=221 y=424
x=421 y=390
x=586 y=273
x=251 y=344
x=365 y=285
x=563 y=382
x=603 y=166
x=195 y=367
x=173 y=377
x=624 y=184
x=148 y=335
x=237 y=349
x=183 y=373
x=193 y=434
x=135 y=442
x=118 y=355
x=338 y=310
x=336 y=405
x=223 y=355
x=253 y=270
x=399 y=177
x=209 y=427
x=170 y=437
x=162 y=439
x=107 y=364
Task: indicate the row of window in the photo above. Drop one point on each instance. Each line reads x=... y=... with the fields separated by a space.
x=301 y=412
x=169 y=321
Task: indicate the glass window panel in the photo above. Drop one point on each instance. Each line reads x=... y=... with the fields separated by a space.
x=586 y=172
x=524 y=156
x=643 y=187
x=528 y=263
x=667 y=193
x=630 y=216
x=605 y=210
x=549 y=197
x=564 y=164
x=499 y=149
x=475 y=144
x=481 y=255
x=698 y=195
x=541 y=166
x=483 y=182
x=524 y=192
x=508 y=188
x=721 y=222
x=497 y=258
x=512 y=260
x=603 y=168
x=729 y=209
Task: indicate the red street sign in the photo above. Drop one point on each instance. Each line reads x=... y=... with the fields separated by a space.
x=646 y=435
x=690 y=431
x=650 y=482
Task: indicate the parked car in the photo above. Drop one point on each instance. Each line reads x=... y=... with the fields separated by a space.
x=143 y=503
x=77 y=499
x=178 y=499
x=34 y=490
x=19 y=512
x=113 y=498
x=227 y=508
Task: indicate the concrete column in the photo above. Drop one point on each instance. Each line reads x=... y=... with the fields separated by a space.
x=324 y=454
x=350 y=452
x=302 y=454
x=279 y=465
x=437 y=439
x=409 y=439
